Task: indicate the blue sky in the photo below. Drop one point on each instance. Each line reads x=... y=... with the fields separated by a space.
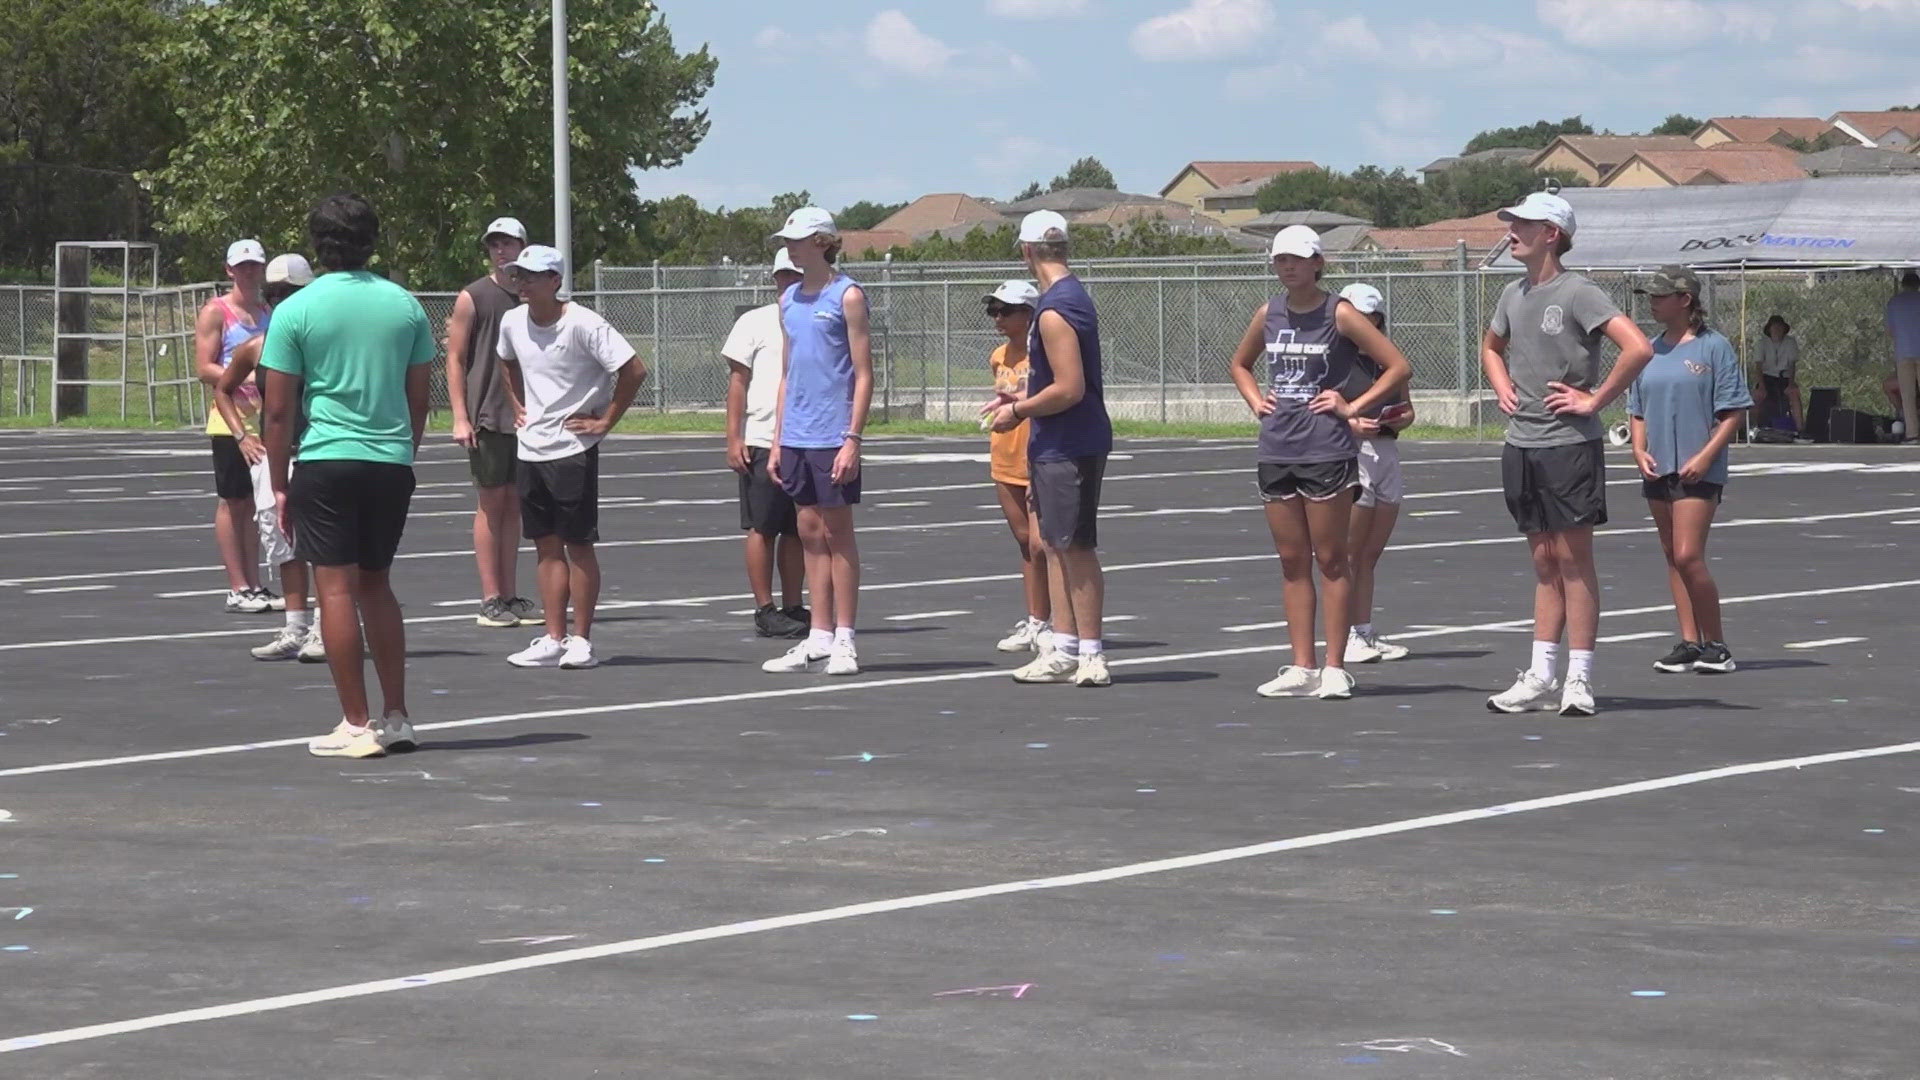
x=889 y=99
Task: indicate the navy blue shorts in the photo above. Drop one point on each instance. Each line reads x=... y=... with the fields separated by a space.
x=807 y=478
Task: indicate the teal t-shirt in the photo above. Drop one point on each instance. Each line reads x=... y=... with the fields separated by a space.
x=351 y=336
x=1680 y=395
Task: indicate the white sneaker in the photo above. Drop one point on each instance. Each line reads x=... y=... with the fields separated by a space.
x=284 y=646
x=1335 y=685
x=1051 y=666
x=1093 y=671
x=1360 y=650
x=542 y=652
x=1290 y=681
x=245 y=602
x=1024 y=638
x=843 y=660
x=579 y=654
x=796 y=660
x=312 y=649
x=395 y=734
x=1389 y=650
x=1577 y=698
x=273 y=600
x=1529 y=693
x=345 y=740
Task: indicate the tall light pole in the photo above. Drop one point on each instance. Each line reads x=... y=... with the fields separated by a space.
x=562 y=151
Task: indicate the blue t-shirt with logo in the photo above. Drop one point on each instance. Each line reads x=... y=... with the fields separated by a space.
x=1679 y=395
x=1084 y=430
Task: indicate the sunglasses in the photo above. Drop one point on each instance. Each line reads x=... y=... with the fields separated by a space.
x=996 y=310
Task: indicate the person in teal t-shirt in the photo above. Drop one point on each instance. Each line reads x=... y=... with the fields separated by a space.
x=350 y=351
x=1686 y=405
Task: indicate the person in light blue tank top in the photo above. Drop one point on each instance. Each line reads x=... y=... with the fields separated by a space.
x=826 y=385
x=1309 y=464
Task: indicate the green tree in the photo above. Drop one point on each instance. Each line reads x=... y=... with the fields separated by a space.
x=1144 y=238
x=84 y=103
x=1536 y=135
x=1306 y=189
x=438 y=113
x=1476 y=187
x=1085 y=173
x=865 y=214
x=1678 y=124
x=1031 y=191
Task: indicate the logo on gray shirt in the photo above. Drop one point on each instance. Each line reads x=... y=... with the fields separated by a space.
x=1553 y=320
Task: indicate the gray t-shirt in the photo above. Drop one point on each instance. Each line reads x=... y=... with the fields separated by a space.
x=1553 y=334
x=1681 y=395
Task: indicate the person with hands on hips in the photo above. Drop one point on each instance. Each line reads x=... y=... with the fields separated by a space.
x=1377 y=507
x=1541 y=356
x=1685 y=407
x=826 y=386
x=1309 y=464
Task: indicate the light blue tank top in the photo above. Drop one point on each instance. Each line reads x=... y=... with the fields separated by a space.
x=819 y=401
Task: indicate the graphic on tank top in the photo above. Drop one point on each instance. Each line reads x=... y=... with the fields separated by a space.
x=1297 y=369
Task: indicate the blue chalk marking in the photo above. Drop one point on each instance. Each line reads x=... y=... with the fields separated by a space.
x=1531 y=738
x=1649 y=993
x=865 y=756
x=22 y=913
x=861 y=1016
x=416 y=980
x=14 y=948
x=823 y=772
x=589 y=804
x=359 y=899
x=654 y=859
x=1360 y=1059
x=1233 y=725
x=1906 y=942
x=1172 y=957
x=9 y=876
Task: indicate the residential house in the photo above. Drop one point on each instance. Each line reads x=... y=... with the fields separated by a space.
x=1592 y=157
x=1105 y=206
x=1727 y=163
x=1481 y=234
x=1338 y=232
x=1892 y=130
x=1234 y=204
x=929 y=214
x=1860 y=161
x=1521 y=154
x=856 y=244
x=1774 y=129
x=1196 y=178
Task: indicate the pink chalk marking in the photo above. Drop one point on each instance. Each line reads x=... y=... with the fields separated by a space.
x=1019 y=990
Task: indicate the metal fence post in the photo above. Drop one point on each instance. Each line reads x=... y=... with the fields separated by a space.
x=1160 y=336
x=946 y=351
x=886 y=338
x=1460 y=323
x=659 y=347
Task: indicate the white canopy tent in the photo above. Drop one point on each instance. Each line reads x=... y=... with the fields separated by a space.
x=1873 y=221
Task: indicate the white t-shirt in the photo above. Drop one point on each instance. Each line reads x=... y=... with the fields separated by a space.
x=754 y=342
x=566 y=369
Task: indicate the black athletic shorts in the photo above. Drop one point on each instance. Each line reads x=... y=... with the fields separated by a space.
x=1317 y=481
x=349 y=513
x=1670 y=487
x=1066 y=497
x=561 y=498
x=765 y=507
x=232 y=479
x=492 y=459
x=1555 y=488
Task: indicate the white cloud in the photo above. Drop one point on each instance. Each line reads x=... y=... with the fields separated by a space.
x=896 y=44
x=1488 y=54
x=1261 y=83
x=1402 y=126
x=1204 y=29
x=1010 y=155
x=1670 y=25
x=1035 y=9
x=1351 y=34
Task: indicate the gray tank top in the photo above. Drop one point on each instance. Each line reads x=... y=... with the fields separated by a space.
x=487 y=402
x=1306 y=353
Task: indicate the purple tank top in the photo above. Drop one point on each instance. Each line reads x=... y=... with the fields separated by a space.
x=1306 y=353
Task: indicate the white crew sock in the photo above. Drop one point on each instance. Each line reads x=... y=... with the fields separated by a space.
x=1092 y=646
x=1364 y=631
x=1066 y=644
x=1545 y=653
x=843 y=635
x=1580 y=663
x=819 y=642
x=300 y=620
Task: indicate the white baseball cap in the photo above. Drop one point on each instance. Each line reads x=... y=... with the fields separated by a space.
x=1295 y=240
x=807 y=221
x=1542 y=206
x=245 y=251
x=784 y=261
x=1015 y=293
x=1043 y=227
x=506 y=226
x=540 y=259
x=289 y=270
x=1365 y=298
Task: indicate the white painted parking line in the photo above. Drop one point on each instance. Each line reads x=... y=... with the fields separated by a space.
x=1433 y=513
x=1244 y=628
x=914 y=616
x=896 y=505
x=1119 y=618
x=190 y=592
x=94 y=490
x=68 y=588
x=1643 y=636
x=1824 y=642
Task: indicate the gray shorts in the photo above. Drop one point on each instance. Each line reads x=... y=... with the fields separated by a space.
x=1380 y=480
x=1066 y=497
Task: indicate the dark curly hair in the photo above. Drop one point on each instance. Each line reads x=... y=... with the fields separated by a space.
x=343 y=229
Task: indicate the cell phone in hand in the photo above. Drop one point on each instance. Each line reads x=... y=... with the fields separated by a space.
x=1395 y=412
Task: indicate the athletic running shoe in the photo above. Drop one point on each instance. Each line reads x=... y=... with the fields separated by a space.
x=1290 y=681
x=494 y=613
x=797 y=660
x=798 y=613
x=245 y=602
x=543 y=651
x=1093 y=671
x=1714 y=658
x=1335 y=685
x=395 y=733
x=284 y=646
x=579 y=654
x=523 y=610
x=1389 y=650
x=1051 y=666
x=1529 y=693
x=1360 y=650
x=771 y=622
x=843 y=660
x=348 y=741
x=312 y=649
x=1679 y=658
x=273 y=600
x=1025 y=636
x=1577 y=698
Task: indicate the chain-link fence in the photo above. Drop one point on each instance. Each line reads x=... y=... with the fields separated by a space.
x=1167 y=335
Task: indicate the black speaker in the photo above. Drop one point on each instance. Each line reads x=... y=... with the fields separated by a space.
x=1852 y=426
x=1821 y=402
